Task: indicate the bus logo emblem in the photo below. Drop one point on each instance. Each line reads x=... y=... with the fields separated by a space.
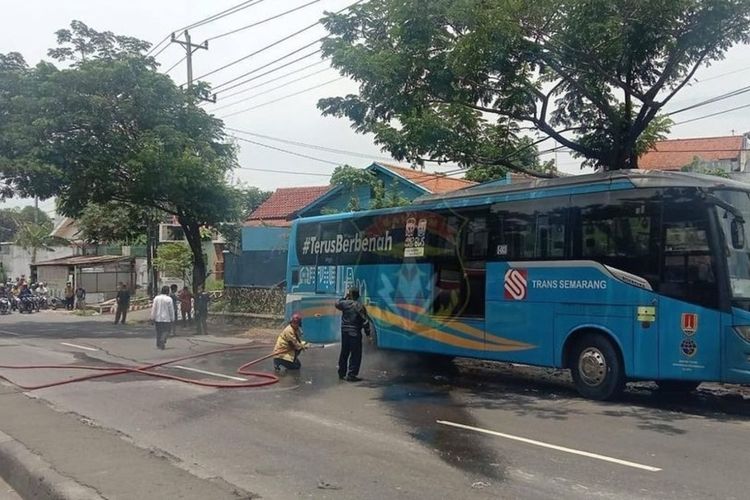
x=516 y=284
x=689 y=323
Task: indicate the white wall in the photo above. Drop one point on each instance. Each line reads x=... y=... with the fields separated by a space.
x=17 y=261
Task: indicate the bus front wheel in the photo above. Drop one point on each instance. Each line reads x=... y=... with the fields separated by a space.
x=597 y=368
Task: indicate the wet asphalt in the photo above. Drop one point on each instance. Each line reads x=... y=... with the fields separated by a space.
x=411 y=429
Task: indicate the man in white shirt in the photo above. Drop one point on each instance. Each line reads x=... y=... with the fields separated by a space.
x=163 y=315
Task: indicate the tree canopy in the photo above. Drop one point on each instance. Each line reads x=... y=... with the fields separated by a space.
x=110 y=128
x=12 y=219
x=464 y=80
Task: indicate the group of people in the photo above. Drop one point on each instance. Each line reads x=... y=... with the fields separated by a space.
x=354 y=323
x=75 y=298
x=164 y=311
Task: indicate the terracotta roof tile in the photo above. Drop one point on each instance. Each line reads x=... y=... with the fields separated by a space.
x=282 y=203
x=674 y=154
x=433 y=182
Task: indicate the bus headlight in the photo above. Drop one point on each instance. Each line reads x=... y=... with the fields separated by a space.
x=743 y=331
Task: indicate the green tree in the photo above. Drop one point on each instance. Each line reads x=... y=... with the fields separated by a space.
x=11 y=219
x=110 y=128
x=353 y=179
x=115 y=222
x=34 y=237
x=459 y=80
x=174 y=260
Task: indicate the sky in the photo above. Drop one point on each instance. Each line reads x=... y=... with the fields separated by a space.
x=29 y=26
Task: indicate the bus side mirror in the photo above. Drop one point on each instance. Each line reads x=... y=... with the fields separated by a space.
x=738 y=234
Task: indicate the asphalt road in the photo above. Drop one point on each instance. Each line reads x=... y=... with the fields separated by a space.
x=409 y=430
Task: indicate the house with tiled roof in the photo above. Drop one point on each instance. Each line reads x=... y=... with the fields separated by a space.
x=279 y=207
x=728 y=154
x=407 y=183
x=262 y=262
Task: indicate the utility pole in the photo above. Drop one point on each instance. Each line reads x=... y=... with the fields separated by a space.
x=190 y=49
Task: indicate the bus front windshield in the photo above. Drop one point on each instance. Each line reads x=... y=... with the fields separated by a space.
x=738 y=258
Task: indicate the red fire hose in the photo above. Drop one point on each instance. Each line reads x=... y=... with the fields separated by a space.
x=262 y=378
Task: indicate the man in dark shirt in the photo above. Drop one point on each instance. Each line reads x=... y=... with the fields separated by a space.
x=123 y=304
x=353 y=319
x=201 y=311
x=173 y=296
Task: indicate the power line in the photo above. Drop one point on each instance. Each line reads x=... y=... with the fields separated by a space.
x=720 y=97
x=301 y=155
x=270 y=90
x=205 y=20
x=273 y=44
x=175 y=64
x=160 y=51
x=282 y=98
x=223 y=14
x=311 y=146
x=288 y=63
x=713 y=114
x=284 y=171
x=258 y=23
x=280 y=77
x=721 y=75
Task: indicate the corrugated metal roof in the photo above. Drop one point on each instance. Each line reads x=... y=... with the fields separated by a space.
x=84 y=260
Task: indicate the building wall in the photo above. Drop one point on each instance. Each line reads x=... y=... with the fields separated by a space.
x=17 y=261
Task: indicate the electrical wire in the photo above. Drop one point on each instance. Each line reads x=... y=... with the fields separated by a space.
x=311 y=146
x=175 y=65
x=273 y=44
x=303 y=91
x=720 y=97
x=285 y=65
x=272 y=80
x=713 y=114
x=301 y=155
x=205 y=20
x=239 y=101
x=224 y=13
x=263 y=21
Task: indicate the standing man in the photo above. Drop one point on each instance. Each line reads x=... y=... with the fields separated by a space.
x=186 y=304
x=163 y=315
x=353 y=319
x=69 y=296
x=201 y=310
x=289 y=345
x=80 y=297
x=123 y=303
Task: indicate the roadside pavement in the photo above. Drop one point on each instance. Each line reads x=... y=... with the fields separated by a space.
x=6 y=492
x=103 y=462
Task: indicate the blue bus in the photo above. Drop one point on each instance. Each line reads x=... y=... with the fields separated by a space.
x=618 y=276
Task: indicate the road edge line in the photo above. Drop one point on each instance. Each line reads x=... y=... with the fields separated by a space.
x=550 y=446
x=32 y=477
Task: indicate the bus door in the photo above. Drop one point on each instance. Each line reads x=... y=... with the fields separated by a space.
x=688 y=315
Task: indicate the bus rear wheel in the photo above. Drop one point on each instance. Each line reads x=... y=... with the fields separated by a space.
x=597 y=368
x=680 y=386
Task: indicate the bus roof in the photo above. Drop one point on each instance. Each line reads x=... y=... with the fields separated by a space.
x=560 y=186
x=637 y=178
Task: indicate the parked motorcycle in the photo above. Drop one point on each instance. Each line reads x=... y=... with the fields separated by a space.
x=55 y=302
x=26 y=304
x=4 y=305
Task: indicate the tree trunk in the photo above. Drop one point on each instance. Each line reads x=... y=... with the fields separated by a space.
x=193 y=236
x=150 y=255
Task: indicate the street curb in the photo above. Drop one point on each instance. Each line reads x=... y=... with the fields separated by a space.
x=32 y=477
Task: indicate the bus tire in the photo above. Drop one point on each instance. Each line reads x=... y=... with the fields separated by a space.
x=679 y=386
x=597 y=368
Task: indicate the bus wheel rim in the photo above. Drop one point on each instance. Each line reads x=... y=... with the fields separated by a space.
x=592 y=366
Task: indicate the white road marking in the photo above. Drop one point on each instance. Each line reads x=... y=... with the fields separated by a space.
x=552 y=446
x=79 y=346
x=10 y=333
x=204 y=372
